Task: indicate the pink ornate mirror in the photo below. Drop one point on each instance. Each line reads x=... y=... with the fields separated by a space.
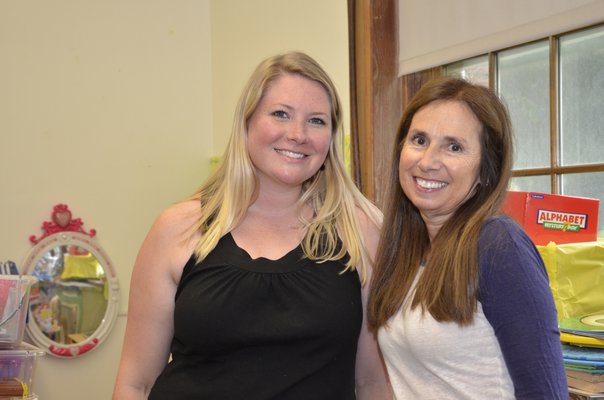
x=73 y=307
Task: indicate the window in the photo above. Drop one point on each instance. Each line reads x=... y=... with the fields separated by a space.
x=553 y=89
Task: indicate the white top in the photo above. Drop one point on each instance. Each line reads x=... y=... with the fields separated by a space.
x=431 y=360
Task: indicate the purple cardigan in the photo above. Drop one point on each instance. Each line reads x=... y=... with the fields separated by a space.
x=517 y=301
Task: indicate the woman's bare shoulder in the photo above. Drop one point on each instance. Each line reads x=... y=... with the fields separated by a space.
x=178 y=215
x=175 y=225
x=370 y=218
x=171 y=240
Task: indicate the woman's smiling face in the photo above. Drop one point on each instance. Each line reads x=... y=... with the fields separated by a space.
x=290 y=131
x=440 y=160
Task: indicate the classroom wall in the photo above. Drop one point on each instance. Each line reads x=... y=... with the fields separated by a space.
x=115 y=108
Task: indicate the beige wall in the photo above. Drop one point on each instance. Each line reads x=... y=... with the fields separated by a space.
x=115 y=108
x=246 y=32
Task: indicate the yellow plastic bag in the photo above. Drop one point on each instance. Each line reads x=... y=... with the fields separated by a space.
x=82 y=267
x=576 y=273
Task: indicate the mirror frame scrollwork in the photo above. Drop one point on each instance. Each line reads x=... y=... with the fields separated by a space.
x=62 y=230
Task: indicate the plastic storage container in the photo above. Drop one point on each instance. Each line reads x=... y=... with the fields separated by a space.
x=17 y=368
x=14 y=303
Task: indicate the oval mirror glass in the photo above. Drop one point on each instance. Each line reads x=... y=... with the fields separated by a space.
x=73 y=306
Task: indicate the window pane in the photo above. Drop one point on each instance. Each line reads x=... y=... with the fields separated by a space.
x=523 y=83
x=586 y=185
x=540 y=184
x=475 y=70
x=581 y=84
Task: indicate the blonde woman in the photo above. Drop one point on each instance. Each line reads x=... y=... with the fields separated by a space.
x=256 y=285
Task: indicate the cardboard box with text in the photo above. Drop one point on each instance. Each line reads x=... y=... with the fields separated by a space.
x=554 y=218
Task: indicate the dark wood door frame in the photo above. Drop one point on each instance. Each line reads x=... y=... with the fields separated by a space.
x=377 y=94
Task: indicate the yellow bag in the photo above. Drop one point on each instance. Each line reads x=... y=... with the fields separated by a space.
x=576 y=273
x=82 y=267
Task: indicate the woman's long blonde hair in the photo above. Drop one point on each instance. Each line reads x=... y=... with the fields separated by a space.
x=225 y=197
x=448 y=286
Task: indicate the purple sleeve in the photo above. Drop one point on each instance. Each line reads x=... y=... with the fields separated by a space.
x=517 y=301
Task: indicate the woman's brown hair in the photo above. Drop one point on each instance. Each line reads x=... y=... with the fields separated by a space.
x=448 y=287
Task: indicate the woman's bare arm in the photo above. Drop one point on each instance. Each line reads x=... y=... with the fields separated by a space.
x=371 y=377
x=149 y=328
